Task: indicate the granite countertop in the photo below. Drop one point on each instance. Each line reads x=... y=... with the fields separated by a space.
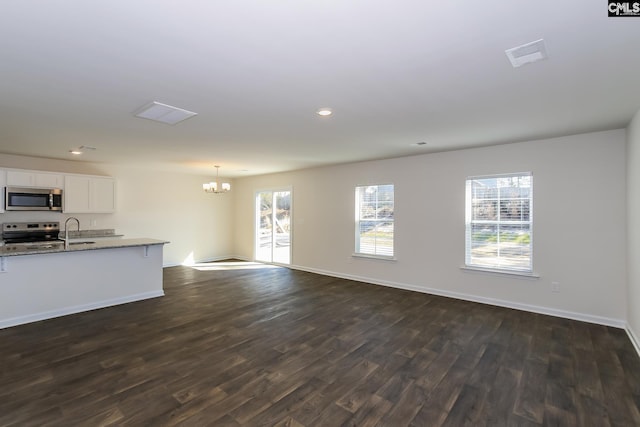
x=58 y=247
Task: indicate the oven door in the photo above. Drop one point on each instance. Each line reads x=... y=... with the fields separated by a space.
x=33 y=199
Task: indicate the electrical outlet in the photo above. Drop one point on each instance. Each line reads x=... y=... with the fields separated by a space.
x=555 y=286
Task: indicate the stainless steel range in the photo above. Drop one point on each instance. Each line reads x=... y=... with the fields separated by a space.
x=30 y=235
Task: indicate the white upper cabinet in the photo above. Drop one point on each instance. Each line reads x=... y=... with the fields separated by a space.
x=76 y=194
x=34 y=179
x=49 y=180
x=3 y=183
x=87 y=194
x=82 y=193
x=102 y=193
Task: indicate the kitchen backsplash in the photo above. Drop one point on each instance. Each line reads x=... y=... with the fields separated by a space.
x=106 y=232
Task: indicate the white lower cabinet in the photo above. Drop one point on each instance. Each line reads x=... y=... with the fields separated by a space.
x=105 y=275
x=84 y=194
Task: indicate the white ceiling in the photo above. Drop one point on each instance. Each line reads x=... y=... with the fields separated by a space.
x=72 y=72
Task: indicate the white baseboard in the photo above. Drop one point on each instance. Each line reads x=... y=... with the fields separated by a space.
x=606 y=321
x=583 y=317
x=634 y=338
x=78 y=309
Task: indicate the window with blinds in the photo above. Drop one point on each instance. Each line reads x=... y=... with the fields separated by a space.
x=499 y=222
x=374 y=220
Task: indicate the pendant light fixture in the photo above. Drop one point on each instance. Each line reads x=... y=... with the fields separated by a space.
x=216 y=187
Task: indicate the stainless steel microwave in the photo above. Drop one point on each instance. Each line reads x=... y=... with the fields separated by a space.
x=32 y=199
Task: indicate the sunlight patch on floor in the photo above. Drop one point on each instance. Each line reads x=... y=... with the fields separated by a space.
x=231 y=265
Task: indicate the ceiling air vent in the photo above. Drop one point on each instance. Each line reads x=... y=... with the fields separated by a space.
x=527 y=53
x=163 y=113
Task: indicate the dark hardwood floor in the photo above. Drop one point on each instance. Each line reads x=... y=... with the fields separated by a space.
x=276 y=347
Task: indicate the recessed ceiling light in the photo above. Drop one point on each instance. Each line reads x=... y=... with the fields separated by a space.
x=324 y=112
x=81 y=150
x=164 y=113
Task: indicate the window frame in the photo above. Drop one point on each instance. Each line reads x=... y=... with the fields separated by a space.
x=469 y=222
x=357 y=211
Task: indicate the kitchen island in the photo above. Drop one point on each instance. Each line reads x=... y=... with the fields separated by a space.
x=49 y=281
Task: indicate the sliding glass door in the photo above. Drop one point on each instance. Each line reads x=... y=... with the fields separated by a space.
x=273 y=226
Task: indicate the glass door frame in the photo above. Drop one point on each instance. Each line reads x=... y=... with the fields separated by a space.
x=256 y=213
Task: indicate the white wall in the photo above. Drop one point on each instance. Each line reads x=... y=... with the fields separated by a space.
x=579 y=223
x=633 y=203
x=173 y=206
x=580 y=220
x=154 y=204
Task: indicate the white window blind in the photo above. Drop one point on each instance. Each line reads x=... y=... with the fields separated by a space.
x=499 y=222
x=374 y=220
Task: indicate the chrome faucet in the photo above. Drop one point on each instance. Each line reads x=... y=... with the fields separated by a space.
x=66 y=230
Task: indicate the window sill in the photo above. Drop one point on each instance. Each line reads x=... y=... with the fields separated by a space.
x=527 y=274
x=379 y=257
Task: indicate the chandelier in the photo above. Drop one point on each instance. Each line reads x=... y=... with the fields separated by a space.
x=216 y=187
